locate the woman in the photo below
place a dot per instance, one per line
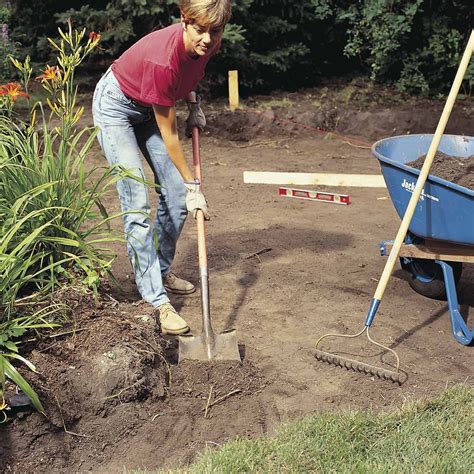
(134, 110)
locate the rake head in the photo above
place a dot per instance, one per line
(359, 366)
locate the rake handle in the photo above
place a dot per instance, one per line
(421, 180)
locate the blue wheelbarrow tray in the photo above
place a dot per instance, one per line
(445, 210)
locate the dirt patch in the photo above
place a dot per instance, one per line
(357, 109)
(109, 378)
(456, 169)
(115, 384)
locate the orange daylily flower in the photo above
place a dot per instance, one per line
(13, 90)
(50, 73)
(94, 36)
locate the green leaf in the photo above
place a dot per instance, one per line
(2, 375)
(16, 378)
(11, 346)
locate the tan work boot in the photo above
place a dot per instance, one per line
(176, 285)
(170, 321)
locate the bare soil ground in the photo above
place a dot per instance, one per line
(282, 273)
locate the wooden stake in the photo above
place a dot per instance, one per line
(233, 90)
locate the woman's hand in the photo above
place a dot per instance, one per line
(195, 199)
(196, 116)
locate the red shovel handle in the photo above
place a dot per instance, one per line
(197, 155)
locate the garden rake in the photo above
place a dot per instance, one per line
(351, 364)
(208, 345)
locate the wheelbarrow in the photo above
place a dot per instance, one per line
(441, 233)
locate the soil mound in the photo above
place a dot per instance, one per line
(107, 387)
(456, 169)
(357, 109)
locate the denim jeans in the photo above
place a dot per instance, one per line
(125, 129)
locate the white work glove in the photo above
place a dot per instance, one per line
(195, 199)
(196, 116)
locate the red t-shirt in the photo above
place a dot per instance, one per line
(157, 69)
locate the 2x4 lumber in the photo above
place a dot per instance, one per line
(309, 179)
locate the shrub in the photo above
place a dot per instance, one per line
(6, 44)
(52, 222)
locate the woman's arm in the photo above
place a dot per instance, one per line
(166, 120)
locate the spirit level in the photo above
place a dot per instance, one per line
(315, 196)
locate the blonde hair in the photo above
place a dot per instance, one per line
(206, 12)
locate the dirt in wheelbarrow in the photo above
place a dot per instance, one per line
(283, 272)
(456, 169)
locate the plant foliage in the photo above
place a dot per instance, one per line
(52, 222)
(7, 46)
(283, 44)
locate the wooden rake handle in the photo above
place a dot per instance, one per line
(425, 169)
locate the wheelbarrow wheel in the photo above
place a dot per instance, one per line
(426, 276)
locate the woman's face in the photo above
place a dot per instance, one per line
(199, 40)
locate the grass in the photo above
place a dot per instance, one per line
(425, 436)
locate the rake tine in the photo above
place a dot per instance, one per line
(359, 366)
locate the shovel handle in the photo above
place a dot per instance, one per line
(201, 230)
(196, 154)
(208, 331)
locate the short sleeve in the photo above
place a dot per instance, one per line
(158, 84)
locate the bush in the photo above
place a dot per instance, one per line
(52, 222)
(417, 45)
(6, 45)
(280, 44)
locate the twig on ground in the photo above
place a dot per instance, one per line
(65, 333)
(256, 254)
(221, 399)
(114, 301)
(121, 391)
(250, 144)
(148, 343)
(64, 423)
(212, 442)
(51, 336)
(208, 402)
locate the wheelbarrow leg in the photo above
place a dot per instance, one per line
(459, 327)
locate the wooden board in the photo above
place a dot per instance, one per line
(322, 179)
(436, 250)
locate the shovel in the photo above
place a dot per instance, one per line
(208, 345)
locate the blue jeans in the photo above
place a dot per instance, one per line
(125, 129)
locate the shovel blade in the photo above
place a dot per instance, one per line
(222, 346)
